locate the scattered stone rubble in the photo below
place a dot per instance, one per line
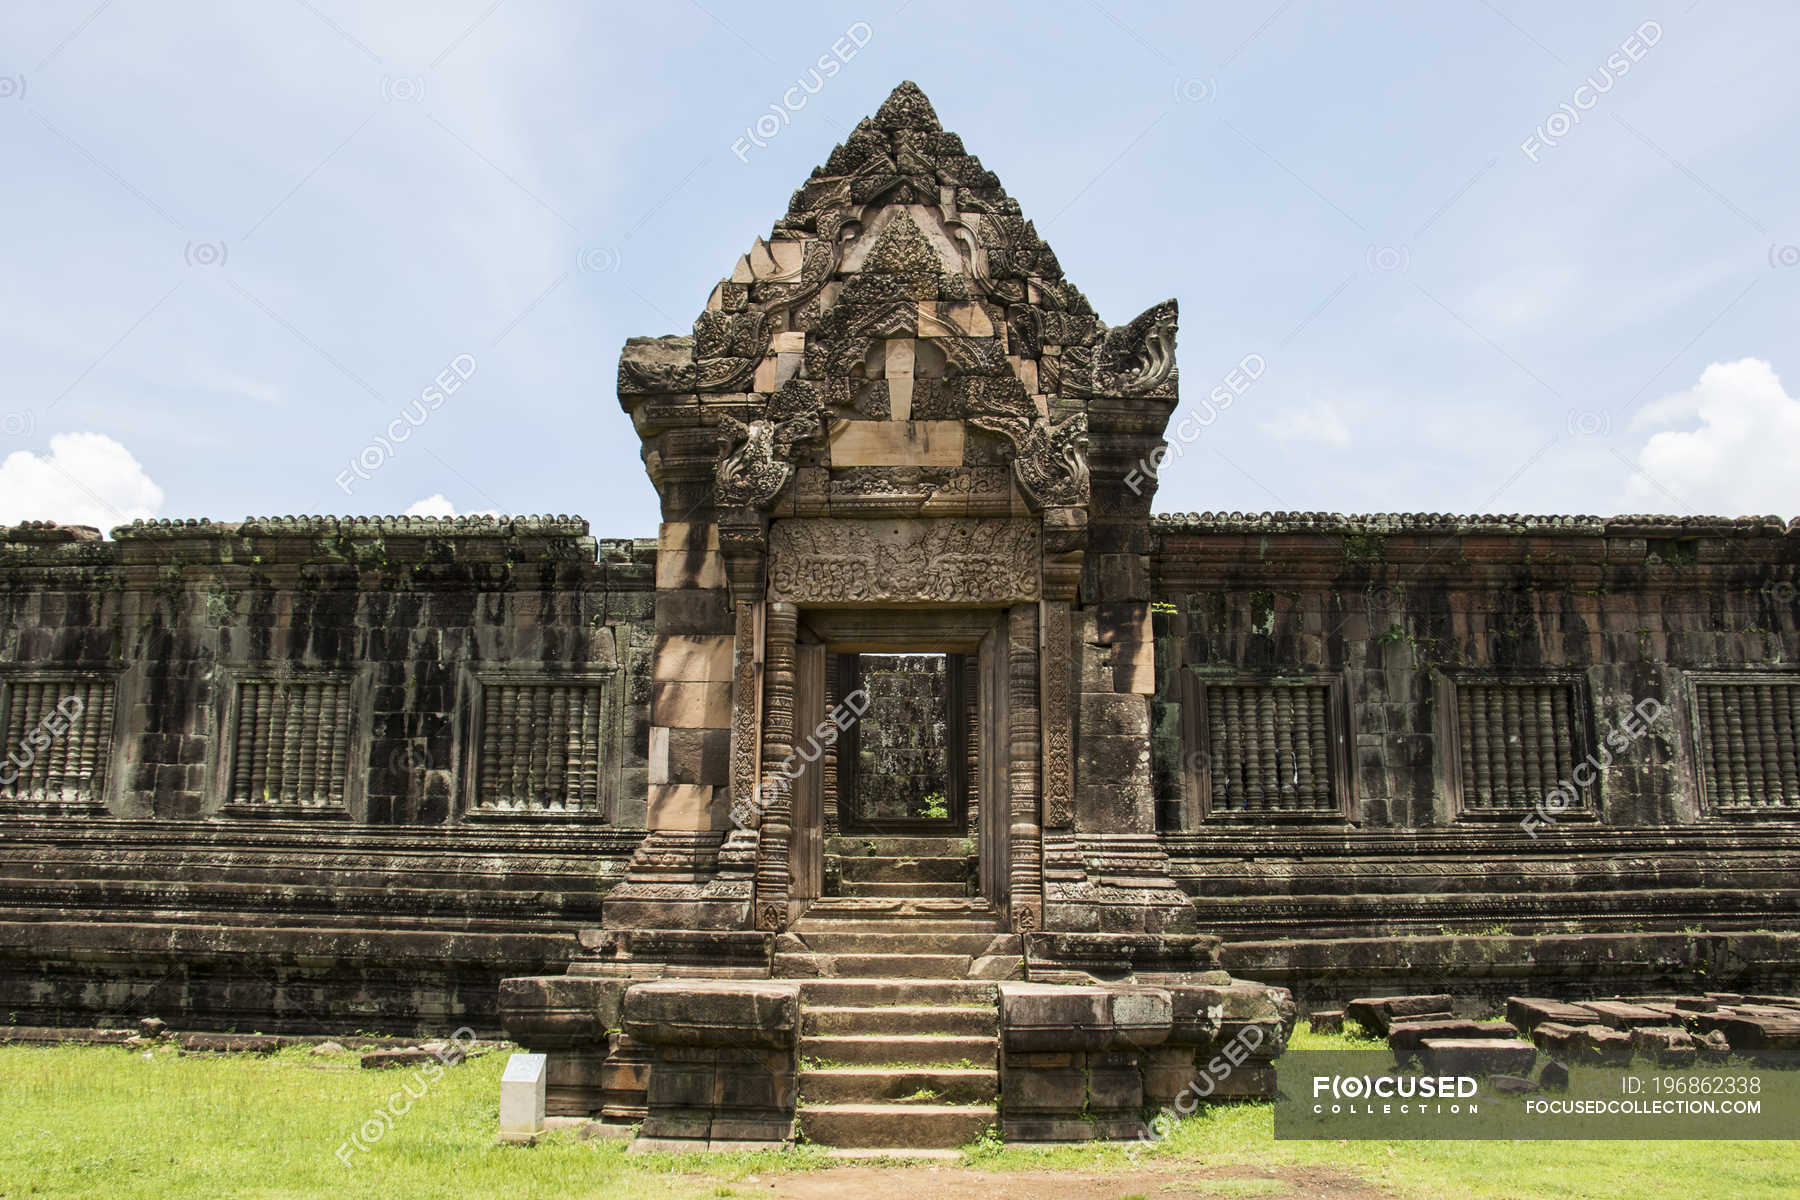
(1666, 1030)
(380, 1052)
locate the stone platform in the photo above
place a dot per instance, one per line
(880, 1038)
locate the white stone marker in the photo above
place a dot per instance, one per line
(522, 1098)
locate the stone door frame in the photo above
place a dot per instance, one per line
(1003, 639)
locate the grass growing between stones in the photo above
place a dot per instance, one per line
(107, 1122)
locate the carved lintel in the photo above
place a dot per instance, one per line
(941, 560)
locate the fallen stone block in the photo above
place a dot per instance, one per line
(1329, 1020)
(1618, 1014)
(1669, 1045)
(1584, 1043)
(1750, 1032)
(327, 1048)
(1683, 1003)
(227, 1043)
(1477, 1056)
(1779, 1001)
(1376, 1013)
(56, 1035)
(1713, 1046)
(1527, 1012)
(1404, 1037)
(1554, 1077)
(1557, 1038)
(1512, 1085)
(411, 1056)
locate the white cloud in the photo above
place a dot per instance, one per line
(433, 505)
(86, 479)
(1314, 422)
(1739, 459)
(437, 505)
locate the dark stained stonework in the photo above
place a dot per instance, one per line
(329, 774)
(400, 907)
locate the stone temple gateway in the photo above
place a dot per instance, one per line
(912, 739)
(894, 430)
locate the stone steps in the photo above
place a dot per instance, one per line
(883, 846)
(877, 993)
(899, 1051)
(914, 1056)
(878, 966)
(883, 948)
(974, 911)
(875, 1126)
(879, 1085)
(898, 1020)
(905, 870)
(878, 922)
(858, 887)
(883, 941)
(912, 867)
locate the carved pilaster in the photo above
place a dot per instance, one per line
(834, 691)
(1025, 870)
(1057, 666)
(746, 708)
(772, 873)
(970, 666)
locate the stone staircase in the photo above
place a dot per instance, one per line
(898, 1044)
(879, 865)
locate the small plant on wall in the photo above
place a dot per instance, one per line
(935, 807)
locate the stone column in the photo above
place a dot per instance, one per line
(1026, 869)
(776, 799)
(687, 873)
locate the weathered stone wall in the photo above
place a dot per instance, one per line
(161, 869)
(1444, 802)
(433, 733)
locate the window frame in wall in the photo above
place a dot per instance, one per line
(101, 795)
(1698, 740)
(1449, 700)
(354, 803)
(475, 684)
(1197, 751)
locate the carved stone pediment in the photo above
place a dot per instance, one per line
(933, 561)
(904, 295)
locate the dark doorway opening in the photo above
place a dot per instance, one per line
(904, 766)
(902, 800)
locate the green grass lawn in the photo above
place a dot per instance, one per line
(116, 1123)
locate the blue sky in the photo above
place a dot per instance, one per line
(240, 240)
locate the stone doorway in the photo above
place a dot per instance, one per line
(896, 809)
(899, 806)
